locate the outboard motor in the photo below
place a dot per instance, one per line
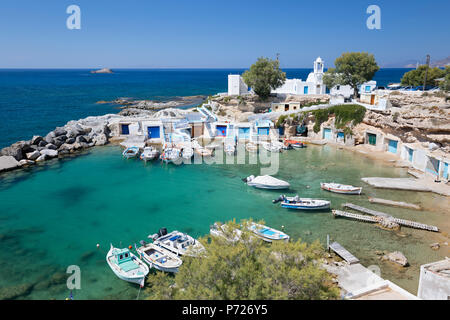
(153, 236)
(279, 199)
(162, 232)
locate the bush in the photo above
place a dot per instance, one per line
(349, 114)
(248, 269)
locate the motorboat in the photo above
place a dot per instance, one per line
(266, 182)
(178, 242)
(302, 203)
(158, 257)
(149, 154)
(130, 152)
(340, 188)
(126, 265)
(268, 234)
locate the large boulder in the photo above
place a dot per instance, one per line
(49, 137)
(50, 153)
(396, 257)
(42, 143)
(41, 158)
(33, 155)
(36, 139)
(59, 132)
(16, 150)
(100, 140)
(8, 163)
(51, 146)
(81, 139)
(70, 140)
(25, 162)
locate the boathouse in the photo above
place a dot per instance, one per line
(285, 106)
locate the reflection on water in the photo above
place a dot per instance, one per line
(51, 219)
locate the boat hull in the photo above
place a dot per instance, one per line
(261, 186)
(303, 207)
(355, 190)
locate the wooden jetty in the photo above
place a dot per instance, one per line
(365, 210)
(395, 203)
(377, 219)
(343, 253)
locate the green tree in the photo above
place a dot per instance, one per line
(445, 85)
(353, 69)
(248, 269)
(264, 75)
(417, 77)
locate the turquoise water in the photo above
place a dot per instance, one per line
(36, 101)
(53, 215)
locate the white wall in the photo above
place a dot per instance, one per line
(236, 85)
(433, 286)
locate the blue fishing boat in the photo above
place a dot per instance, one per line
(302, 203)
(131, 152)
(268, 234)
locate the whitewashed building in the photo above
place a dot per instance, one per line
(236, 85)
(312, 85)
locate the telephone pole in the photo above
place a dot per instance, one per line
(426, 72)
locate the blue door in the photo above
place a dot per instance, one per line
(410, 154)
(153, 132)
(305, 90)
(244, 133)
(263, 131)
(445, 175)
(327, 133)
(341, 135)
(392, 146)
(125, 129)
(221, 131)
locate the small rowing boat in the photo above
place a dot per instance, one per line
(131, 152)
(340, 188)
(268, 234)
(272, 147)
(126, 265)
(158, 257)
(251, 147)
(170, 155)
(266, 182)
(149, 154)
(302, 203)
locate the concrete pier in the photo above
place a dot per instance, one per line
(395, 203)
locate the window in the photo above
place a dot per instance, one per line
(120, 257)
(305, 90)
(126, 255)
(338, 87)
(367, 88)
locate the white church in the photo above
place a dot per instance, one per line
(312, 85)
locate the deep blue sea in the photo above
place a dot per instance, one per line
(36, 101)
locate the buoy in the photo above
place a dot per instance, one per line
(130, 247)
(98, 245)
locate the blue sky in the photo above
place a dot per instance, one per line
(216, 33)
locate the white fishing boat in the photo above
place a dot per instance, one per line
(268, 234)
(302, 203)
(340, 188)
(149, 154)
(221, 230)
(170, 155)
(187, 153)
(266, 182)
(126, 265)
(158, 257)
(251, 147)
(272, 147)
(178, 242)
(131, 152)
(229, 149)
